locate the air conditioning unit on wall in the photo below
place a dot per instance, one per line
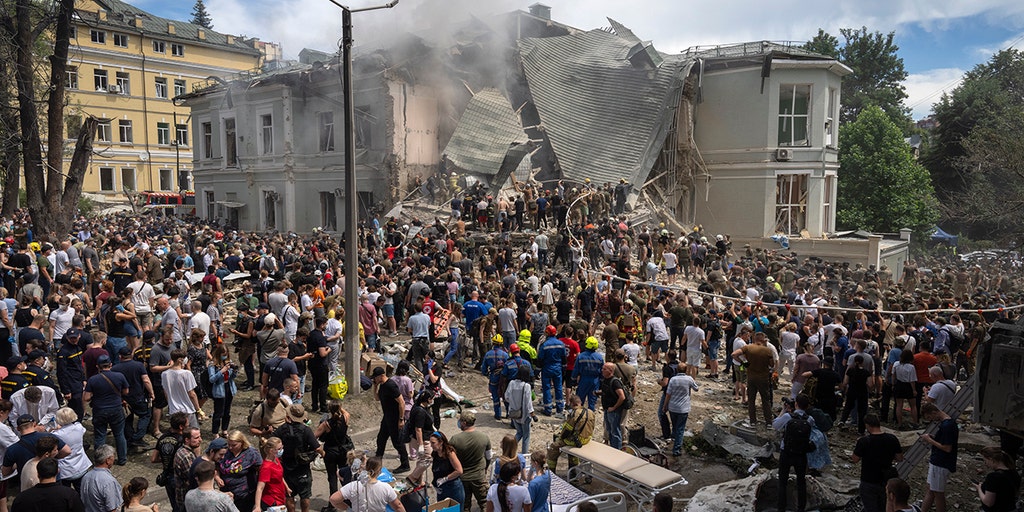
(783, 154)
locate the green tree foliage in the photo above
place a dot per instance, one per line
(824, 44)
(200, 16)
(976, 157)
(881, 187)
(878, 72)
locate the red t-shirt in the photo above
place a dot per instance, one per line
(272, 475)
(574, 350)
(922, 362)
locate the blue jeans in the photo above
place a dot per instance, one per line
(371, 342)
(586, 393)
(495, 399)
(453, 346)
(613, 426)
(112, 417)
(142, 412)
(523, 432)
(678, 428)
(453, 490)
(549, 380)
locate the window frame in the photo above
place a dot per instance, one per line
(183, 87)
(134, 180)
(177, 50)
(71, 78)
(792, 117)
(124, 40)
(230, 141)
(266, 133)
(123, 80)
(328, 211)
(160, 87)
(124, 131)
(98, 36)
(326, 132)
(104, 131)
(163, 134)
(206, 129)
(179, 130)
(159, 46)
(170, 179)
(101, 80)
(786, 183)
(113, 179)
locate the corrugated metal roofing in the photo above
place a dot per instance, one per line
(605, 118)
(487, 131)
(123, 14)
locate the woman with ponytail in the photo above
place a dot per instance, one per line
(134, 493)
(507, 495)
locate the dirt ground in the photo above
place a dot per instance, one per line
(700, 465)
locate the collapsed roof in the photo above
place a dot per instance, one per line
(606, 101)
(486, 133)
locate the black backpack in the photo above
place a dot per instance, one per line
(796, 438)
(167, 446)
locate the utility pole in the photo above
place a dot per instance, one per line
(352, 348)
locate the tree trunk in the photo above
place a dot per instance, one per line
(10, 161)
(31, 144)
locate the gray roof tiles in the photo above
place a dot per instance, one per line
(487, 131)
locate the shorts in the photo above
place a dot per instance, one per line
(145, 318)
(300, 482)
(659, 346)
(160, 399)
(389, 310)
(937, 478)
(130, 331)
(567, 378)
(903, 390)
(713, 347)
(671, 271)
(739, 374)
(693, 356)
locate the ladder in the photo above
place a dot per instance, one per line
(963, 399)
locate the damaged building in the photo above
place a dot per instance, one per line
(741, 139)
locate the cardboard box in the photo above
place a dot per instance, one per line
(370, 362)
(445, 505)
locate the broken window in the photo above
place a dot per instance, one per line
(794, 108)
(269, 209)
(211, 205)
(328, 211)
(828, 219)
(364, 127)
(791, 203)
(230, 143)
(267, 129)
(326, 120)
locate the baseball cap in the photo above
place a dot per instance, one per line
(14, 361)
(217, 444)
(35, 354)
(263, 305)
(25, 419)
(102, 360)
(378, 371)
(125, 351)
(73, 333)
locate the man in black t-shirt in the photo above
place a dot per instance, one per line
(668, 371)
(393, 406)
(296, 437)
(316, 345)
(278, 372)
(876, 452)
(825, 389)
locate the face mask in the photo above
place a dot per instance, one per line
(223, 358)
(280, 452)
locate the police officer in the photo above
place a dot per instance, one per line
(37, 376)
(105, 392)
(493, 363)
(587, 372)
(552, 358)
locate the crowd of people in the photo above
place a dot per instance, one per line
(123, 324)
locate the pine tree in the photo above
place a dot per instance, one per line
(200, 16)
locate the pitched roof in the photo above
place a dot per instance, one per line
(606, 115)
(488, 130)
(122, 14)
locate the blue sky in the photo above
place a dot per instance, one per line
(939, 39)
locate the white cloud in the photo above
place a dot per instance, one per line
(925, 89)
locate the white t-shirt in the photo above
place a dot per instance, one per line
(670, 259)
(656, 326)
(517, 496)
(942, 393)
(142, 294)
(370, 497)
(632, 351)
(177, 384)
(737, 344)
(200, 321)
(789, 341)
(61, 321)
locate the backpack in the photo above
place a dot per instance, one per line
(303, 453)
(956, 340)
(822, 420)
(796, 438)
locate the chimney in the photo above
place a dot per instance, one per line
(170, 28)
(202, 35)
(231, 39)
(541, 11)
(138, 21)
(102, 14)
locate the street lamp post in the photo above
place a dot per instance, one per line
(352, 348)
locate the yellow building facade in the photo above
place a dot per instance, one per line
(125, 66)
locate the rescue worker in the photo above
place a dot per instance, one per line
(525, 348)
(552, 359)
(587, 373)
(493, 363)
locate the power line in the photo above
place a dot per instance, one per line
(950, 84)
